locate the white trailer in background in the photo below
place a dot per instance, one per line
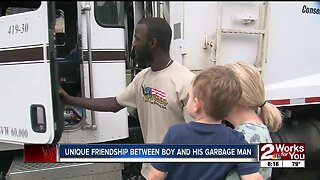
(85, 47)
(281, 39)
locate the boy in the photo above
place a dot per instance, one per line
(213, 94)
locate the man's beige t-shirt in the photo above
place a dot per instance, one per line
(161, 98)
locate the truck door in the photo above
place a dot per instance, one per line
(102, 46)
(29, 100)
(96, 29)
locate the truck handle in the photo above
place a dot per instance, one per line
(85, 9)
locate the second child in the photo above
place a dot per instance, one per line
(213, 94)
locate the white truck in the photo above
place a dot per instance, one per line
(85, 47)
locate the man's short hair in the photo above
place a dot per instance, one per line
(219, 90)
(160, 29)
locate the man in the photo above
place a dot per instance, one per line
(160, 92)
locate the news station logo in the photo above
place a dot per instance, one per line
(40, 153)
(282, 154)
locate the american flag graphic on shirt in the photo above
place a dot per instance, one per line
(154, 96)
(155, 92)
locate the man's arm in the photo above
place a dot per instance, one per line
(254, 176)
(109, 104)
(155, 174)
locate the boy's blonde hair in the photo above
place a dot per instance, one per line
(253, 94)
(219, 89)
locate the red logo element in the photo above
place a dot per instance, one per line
(40, 153)
(282, 151)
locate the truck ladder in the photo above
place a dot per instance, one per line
(262, 35)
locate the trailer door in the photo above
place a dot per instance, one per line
(30, 106)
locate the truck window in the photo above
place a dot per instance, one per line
(109, 13)
(16, 7)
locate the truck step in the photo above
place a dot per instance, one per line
(80, 171)
(242, 31)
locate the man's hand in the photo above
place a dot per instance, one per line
(66, 98)
(109, 104)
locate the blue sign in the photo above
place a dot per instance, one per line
(157, 153)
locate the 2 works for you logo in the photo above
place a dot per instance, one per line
(282, 151)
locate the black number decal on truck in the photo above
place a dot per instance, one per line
(18, 28)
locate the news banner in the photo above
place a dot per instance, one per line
(275, 155)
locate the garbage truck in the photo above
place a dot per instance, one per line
(85, 47)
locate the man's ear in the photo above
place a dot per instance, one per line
(153, 43)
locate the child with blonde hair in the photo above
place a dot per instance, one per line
(213, 93)
(253, 116)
